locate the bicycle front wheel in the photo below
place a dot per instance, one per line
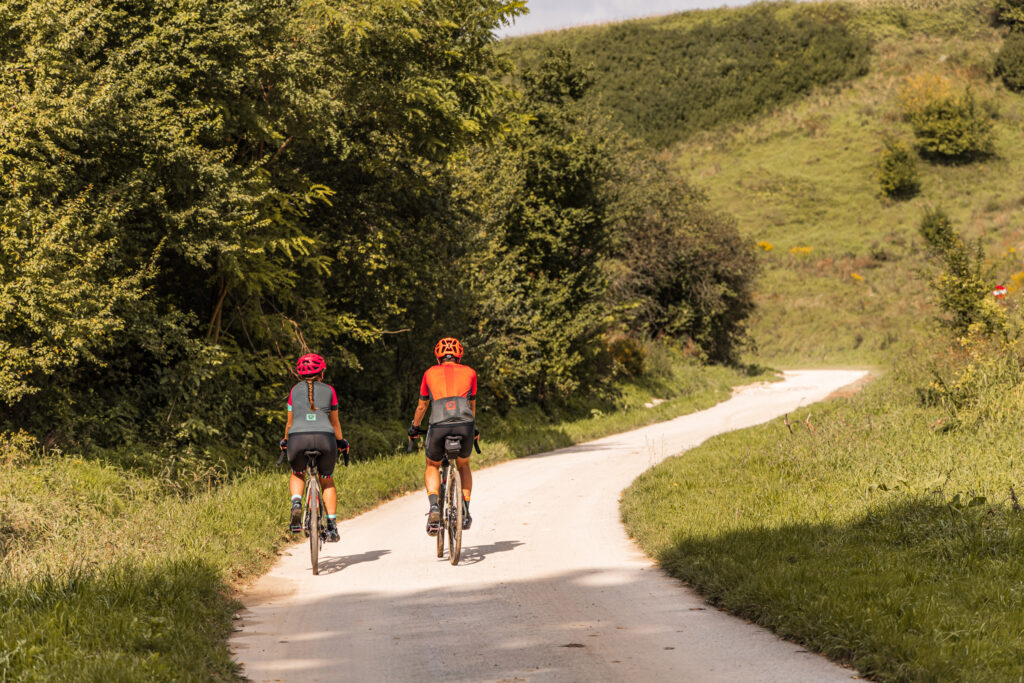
(454, 516)
(314, 526)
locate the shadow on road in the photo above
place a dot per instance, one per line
(606, 624)
(476, 553)
(331, 565)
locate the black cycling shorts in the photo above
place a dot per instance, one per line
(324, 442)
(436, 434)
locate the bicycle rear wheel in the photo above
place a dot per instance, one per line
(440, 501)
(314, 526)
(454, 516)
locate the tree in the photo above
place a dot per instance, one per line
(682, 270)
(194, 192)
(540, 276)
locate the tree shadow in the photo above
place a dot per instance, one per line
(565, 626)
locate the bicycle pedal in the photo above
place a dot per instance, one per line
(433, 529)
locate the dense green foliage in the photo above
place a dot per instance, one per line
(1010, 62)
(585, 235)
(1010, 13)
(188, 207)
(684, 270)
(897, 171)
(667, 77)
(192, 193)
(937, 231)
(541, 275)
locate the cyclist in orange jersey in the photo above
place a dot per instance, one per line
(449, 390)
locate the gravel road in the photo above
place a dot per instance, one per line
(549, 588)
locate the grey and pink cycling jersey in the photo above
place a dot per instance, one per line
(305, 418)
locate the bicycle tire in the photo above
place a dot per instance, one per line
(440, 502)
(314, 526)
(455, 516)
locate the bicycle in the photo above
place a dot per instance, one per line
(313, 509)
(449, 496)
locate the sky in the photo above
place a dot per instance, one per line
(550, 14)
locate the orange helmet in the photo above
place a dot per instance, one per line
(449, 346)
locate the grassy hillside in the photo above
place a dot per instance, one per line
(802, 179)
(666, 77)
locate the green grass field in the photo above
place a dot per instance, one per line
(122, 566)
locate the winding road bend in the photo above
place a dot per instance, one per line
(550, 588)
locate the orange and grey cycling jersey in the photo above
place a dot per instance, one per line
(449, 387)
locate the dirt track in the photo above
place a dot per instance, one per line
(549, 587)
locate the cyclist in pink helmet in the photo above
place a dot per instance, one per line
(316, 428)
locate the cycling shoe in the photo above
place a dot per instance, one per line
(433, 520)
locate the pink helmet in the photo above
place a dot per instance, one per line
(310, 364)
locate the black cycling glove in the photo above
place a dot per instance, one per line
(284, 444)
(414, 431)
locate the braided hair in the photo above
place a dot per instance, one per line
(309, 386)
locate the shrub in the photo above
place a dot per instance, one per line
(684, 271)
(921, 89)
(16, 447)
(937, 230)
(1010, 62)
(961, 285)
(627, 355)
(951, 127)
(1010, 13)
(897, 171)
